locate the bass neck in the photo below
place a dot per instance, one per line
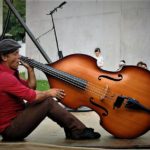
(50, 71)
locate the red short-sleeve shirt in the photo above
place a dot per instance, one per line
(13, 92)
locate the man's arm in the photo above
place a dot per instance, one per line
(42, 95)
(31, 76)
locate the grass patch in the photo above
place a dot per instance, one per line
(42, 85)
(22, 74)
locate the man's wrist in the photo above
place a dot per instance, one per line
(30, 69)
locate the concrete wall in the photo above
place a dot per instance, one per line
(121, 28)
(1, 10)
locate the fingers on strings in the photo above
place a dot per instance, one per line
(60, 94)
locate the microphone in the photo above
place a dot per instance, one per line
(63, 3)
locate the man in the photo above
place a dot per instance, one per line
(18, 120)
(99, 57)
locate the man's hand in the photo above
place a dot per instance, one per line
(27, 66)
(58, 93)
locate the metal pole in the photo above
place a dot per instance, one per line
(27, 30)
(59, 52)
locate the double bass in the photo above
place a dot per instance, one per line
(121, 98)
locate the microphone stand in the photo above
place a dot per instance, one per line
(60, 54)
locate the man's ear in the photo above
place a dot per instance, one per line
(4, 57)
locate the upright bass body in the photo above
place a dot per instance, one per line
(121, 99)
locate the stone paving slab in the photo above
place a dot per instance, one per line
(50, 133)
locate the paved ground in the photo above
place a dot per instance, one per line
(50, 135)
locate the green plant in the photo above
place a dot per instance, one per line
(15, 28)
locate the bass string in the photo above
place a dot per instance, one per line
(93, 88)
(52, 72)
(105, 92)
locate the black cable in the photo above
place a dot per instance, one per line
(43, 34)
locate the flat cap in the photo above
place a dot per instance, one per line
(7, 45)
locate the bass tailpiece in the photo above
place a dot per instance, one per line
(130, 103)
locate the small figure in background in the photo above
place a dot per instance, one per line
(99, 57)
(142, 65)
(122, 63)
